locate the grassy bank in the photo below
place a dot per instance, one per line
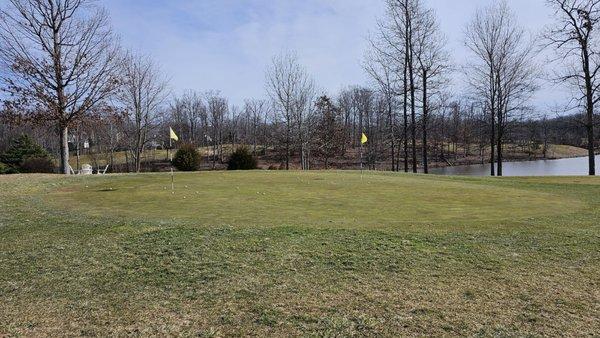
(289, 253)
(454, 156)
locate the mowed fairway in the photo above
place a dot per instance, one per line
(291, 253)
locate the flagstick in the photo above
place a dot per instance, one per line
(361, 160)
(172, 175)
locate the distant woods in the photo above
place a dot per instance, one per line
(67, 82)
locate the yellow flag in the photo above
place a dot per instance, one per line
(364, 139)
(173, 135)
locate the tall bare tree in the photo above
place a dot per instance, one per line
(256, 112)
(194, 112)
(291, 90)
(502, 70)
(329, 134)
(142, 96)
(378, 66)
(398, 43)
(60, 59)
(218, 108)
(433, 62)
(574, 36)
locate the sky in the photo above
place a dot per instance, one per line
(227, 45)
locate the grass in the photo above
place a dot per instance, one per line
(565, 151)
(290, 253)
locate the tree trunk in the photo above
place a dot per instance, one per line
(591, 150)
(413, 127)
(405, 83)
(493, 122)
(138, 150)
(492, 144)
(287, 148)
(192, 132)
(214, 152)
(405, 132)
(589, 113)
(64, 150)
(425, 112)
(501, 118)
(545, 151)
(392, 132)
(302, 148)
(413, 120)
(499, 145)
(254, 141)
(138, 160)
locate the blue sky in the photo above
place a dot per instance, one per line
(227, 44)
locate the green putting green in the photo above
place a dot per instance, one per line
(299, 254)
(325, 199)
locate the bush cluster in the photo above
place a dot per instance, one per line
(3, 168)
(26, 156)
(38, 165)
(187, 158)
(242, 159)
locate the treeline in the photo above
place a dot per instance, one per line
(68, 84)
(458, 133)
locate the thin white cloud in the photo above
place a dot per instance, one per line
(227, 44)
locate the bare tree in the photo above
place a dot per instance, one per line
(433, 62)
(218, 108)
(143, 93)
(194, 113)
(354, 103)
(189, 114)
(483, 35)
(256, 112)
(344, 103)
(291, 91)
(516, 75)
(502, 71)
(574, 36)
(398, 43)
(378, 67)
(232, 124)
(409, 8)
(178, 119)
(329, 129)
(60, 58)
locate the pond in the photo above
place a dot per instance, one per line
(563, 167)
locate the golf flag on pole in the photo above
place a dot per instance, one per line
(364, 139)
(173, 135)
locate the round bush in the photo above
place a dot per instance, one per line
(241, 159)
(187, 158)
(3, 168)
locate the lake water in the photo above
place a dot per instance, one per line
(563, 167)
